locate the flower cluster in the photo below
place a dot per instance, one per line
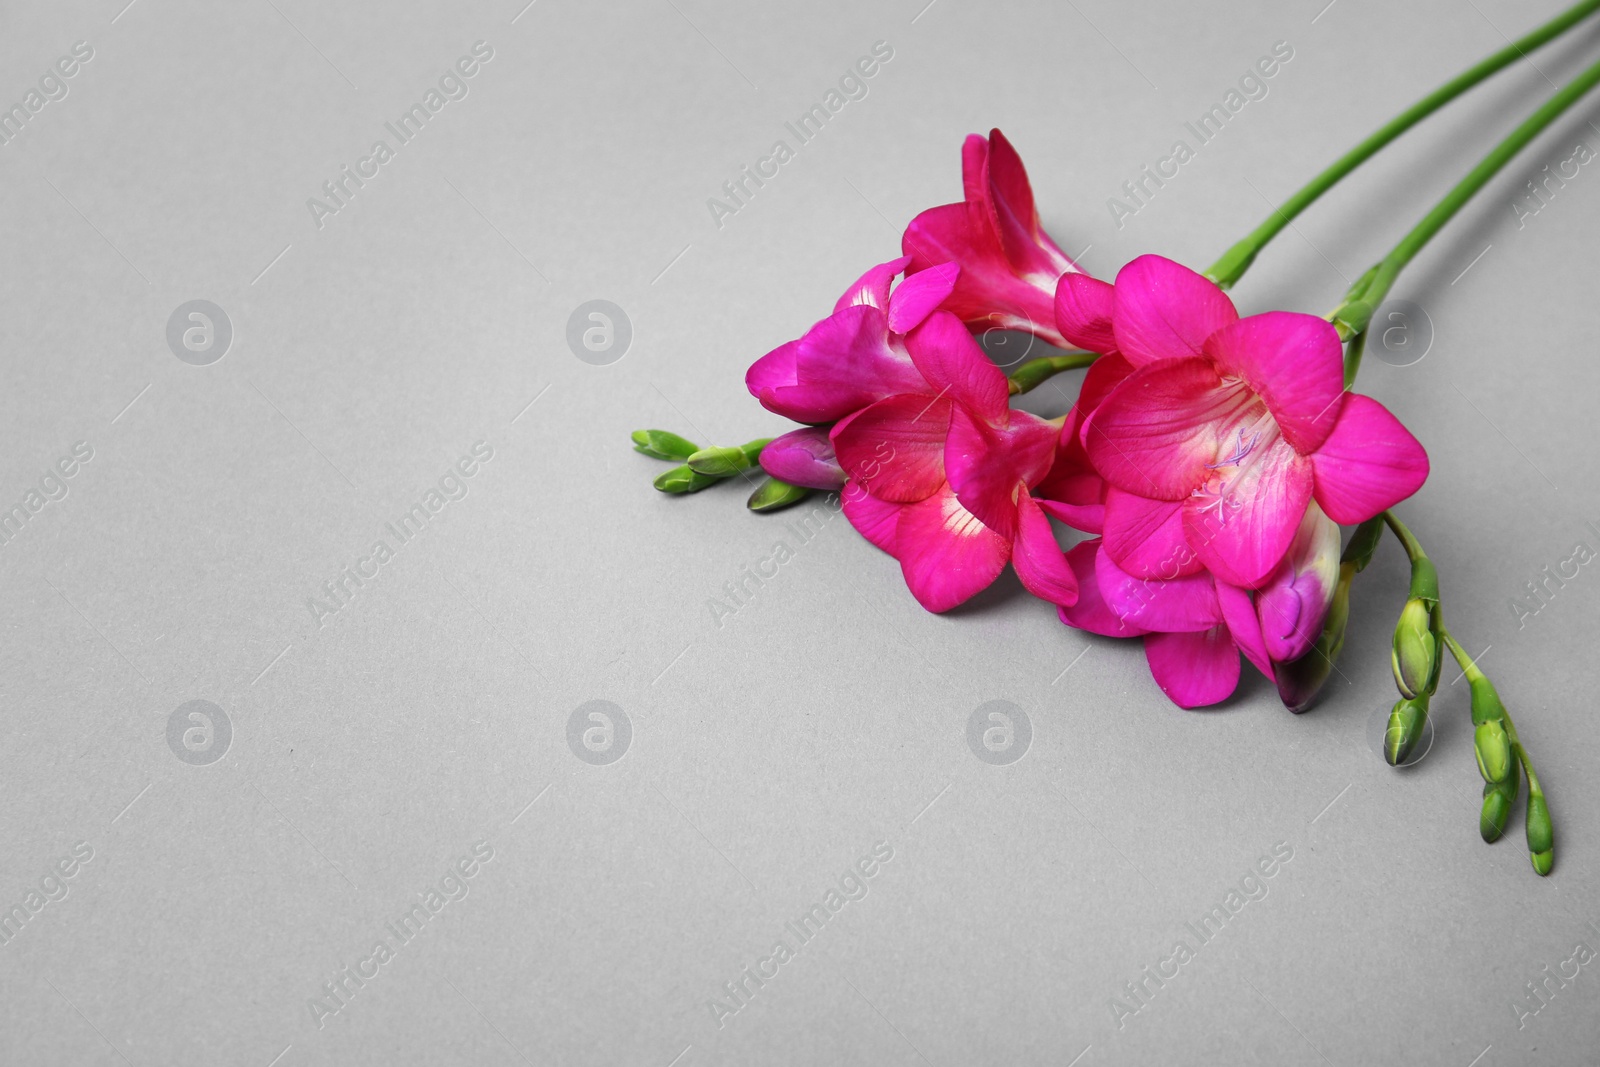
(1211, 458)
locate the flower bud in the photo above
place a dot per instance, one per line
(1497, 801)
(719, 461)
(663, 444)
(1405, 729)
(1493, 749)
(772, 494)
(1301, 680)
(1541, 833)
(1415, 651)
(722, 461)
(684, 480)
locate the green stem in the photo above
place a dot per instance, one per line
(1464, 661)
(1036, 372)
(1412, 545)
(1231, 267)
(1353, 315)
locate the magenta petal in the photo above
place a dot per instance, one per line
(989, 467)
(1194, 669)
(1039, 561)
(946, 554)
(1239, 612)
(872, 288)
(852, 349)
(1182, 605)
(1156, 433)
(772, 371)
(954, 365)
(1083, 312)
(1146, 537)
(1087, 517)
(1243, 520)
(1090, 612)
(895, 448)
(1295, 362)
(874, 519)
(1369, 463)
(1164, 310)
(917, 296)
(803, 457)
(1028, 248)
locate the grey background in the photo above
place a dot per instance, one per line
(828, 715)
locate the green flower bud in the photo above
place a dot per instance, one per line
(720, 460)
(684, 480)
(1405, 729)
(663, 444)
(725, 460)
(1541, 833)
(1498, 799)
(772, 495)
(1542, 862)
(1486, 705)
(1493, 749)
(1415, 651)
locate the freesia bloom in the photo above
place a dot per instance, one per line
(1009, 265)
(1226, 429)
(857, 355)
(939, 479)
(1195, 626)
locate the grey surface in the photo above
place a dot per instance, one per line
(767, 755)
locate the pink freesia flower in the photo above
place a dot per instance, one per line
(939, 479)
(856, 355)
(1009, 265)
(1195, 627)
(1227, 428)
(804, 457)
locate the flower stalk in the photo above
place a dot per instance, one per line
(1227, 270)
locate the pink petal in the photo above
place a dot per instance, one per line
(803, 457)
(1243, 520)
(954, 365)
(1156, 433)
(1295, 362)
(1091, 612)
(774, 370)
(1369, 463)
(1028, 248)
(1039, 561)
(1083, 312)
(1239, 612)
(1182, 605)
(1166, 311)
(975, 168)
(1146, 537)
(1194, 669)
(946, 554)
(872, 288)
(916, 297)
(895, 448)
(988, 467)
(989, 294)
(874, 519)
(852, 349)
